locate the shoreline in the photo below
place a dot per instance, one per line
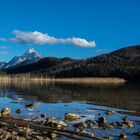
(73, 126)
(77, 80)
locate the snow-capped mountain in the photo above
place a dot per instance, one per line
(30, 56)
(2, 64)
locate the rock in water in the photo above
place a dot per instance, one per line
(138, 133)
(5, 112)
(123, 137)
(126, 124)
(42, 115)
(130, 124)
(71, 117)
(30, 106)
(109, 112)
(107, 125)
(18, 111)
(80, 126)
(101, 121)
(52, 136)
(55, 123)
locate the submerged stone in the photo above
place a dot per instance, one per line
(130, 125)
(5, 112)
(107, 125)
(55, 123)
(125, 118)
(125, 124)
(71, 117)
(114, 124)
(88, 122)
(94, 124)
(81, 126)
(109, 112)
(43, 115)
(101, 121)
(123, 137)
(83, 116)
(30, 106)
(18, 111)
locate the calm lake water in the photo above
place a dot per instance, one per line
(56, 99)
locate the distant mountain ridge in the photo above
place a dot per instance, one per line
(30, 56)
(123, 63)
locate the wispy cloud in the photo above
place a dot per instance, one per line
(4, 50)
(38, 38)
(4, 53)
(4, 47)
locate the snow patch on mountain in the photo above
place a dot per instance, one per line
(30, 56)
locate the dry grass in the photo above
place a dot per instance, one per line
(93, 80)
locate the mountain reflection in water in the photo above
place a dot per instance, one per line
(117, 96)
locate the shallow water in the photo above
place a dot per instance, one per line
(56, 99)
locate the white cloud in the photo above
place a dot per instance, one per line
(38, 38)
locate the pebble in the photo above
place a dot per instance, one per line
(125, 118)
(30, 106)
(123, 137)
(81, 126)
(109, 112)
(113, 124)
(42, 115)
(18, 111)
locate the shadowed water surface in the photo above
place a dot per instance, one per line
(55, 99)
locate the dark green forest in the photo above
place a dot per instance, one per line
(123, 63)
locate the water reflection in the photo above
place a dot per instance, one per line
(118, 96)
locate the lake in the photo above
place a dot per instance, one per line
(90, 100)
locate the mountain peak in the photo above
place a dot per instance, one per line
(31, 50)
(30, 56)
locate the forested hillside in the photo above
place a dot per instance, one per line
(124, 63)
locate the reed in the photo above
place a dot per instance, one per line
(39, 79)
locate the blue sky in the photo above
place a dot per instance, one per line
(112, 24)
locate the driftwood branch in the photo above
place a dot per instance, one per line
(11, 122)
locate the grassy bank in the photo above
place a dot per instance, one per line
(92, 80)
(86, 80)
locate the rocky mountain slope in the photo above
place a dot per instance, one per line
(30, 56)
